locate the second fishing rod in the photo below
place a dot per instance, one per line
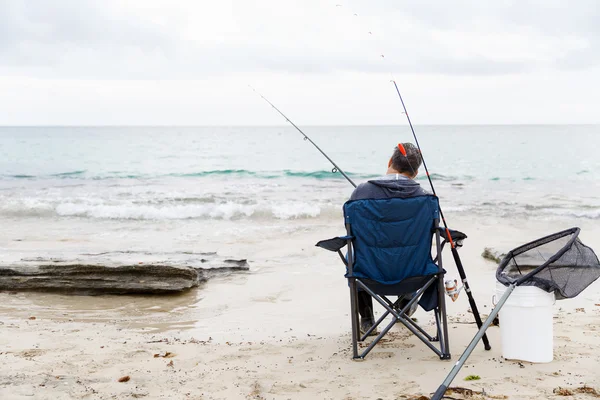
(454, 250)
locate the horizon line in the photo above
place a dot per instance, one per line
(279, 125)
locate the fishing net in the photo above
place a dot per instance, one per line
(558, 263)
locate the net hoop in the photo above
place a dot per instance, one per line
(541, 241)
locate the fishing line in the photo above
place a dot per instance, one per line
(335, 166)
(452, 244)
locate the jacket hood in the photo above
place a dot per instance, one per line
(400, 185)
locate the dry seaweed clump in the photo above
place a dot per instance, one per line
(559, 391)
(562, 391)
(460, 393)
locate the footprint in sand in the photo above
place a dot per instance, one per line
(30, 353)
(382, 354)
(396, 345)
(565, 338)
(137, 354)
(268, 299)
(281, 388)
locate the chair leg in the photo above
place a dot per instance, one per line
(444, 345)
(354, 317)
(443, 329)
(438, 325)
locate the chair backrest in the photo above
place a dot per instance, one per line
(392, 237)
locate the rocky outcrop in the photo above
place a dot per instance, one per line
(112, 273)
(89, 278)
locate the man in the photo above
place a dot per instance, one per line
(398, 182)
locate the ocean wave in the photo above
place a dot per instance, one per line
(69, 174)
(21, 176)
(248, 208)
(328, 174)
(238, 173)
(445, 178)
(85, 175)
(542, 210)
(284, 210)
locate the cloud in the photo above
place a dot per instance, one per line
(58, 38)
(523, 35)
(156, 39)
(189, 62)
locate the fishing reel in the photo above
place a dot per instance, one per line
(452, 289)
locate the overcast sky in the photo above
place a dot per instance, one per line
(189, 62)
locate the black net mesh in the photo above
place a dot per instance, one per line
(558, 263)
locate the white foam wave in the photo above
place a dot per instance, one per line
(27, 206)
(152, 212)
(129, 210)
(295, 210)
(573, 213)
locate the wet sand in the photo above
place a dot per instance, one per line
(280, 331)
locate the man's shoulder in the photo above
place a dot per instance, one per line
(365, 190)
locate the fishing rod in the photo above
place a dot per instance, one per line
(335, 167)
(458, 262)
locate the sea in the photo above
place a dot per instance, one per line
(72, 190)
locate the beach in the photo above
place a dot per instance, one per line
(280, 330)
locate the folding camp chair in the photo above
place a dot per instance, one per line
(389, 254)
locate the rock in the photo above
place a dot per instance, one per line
(118, 272)
(229, 267)
(98, 278)
(492, 255)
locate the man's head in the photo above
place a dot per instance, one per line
(407, 165)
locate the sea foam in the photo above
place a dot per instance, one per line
(128, 210)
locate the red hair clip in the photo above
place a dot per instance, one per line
(402, 149)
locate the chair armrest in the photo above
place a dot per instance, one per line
(334, 244)
(457, 236)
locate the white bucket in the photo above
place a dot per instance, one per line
(526, 324)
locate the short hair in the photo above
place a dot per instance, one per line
(409, 163)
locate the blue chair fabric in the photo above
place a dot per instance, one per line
(392, 238)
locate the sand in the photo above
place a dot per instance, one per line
(280, 331)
